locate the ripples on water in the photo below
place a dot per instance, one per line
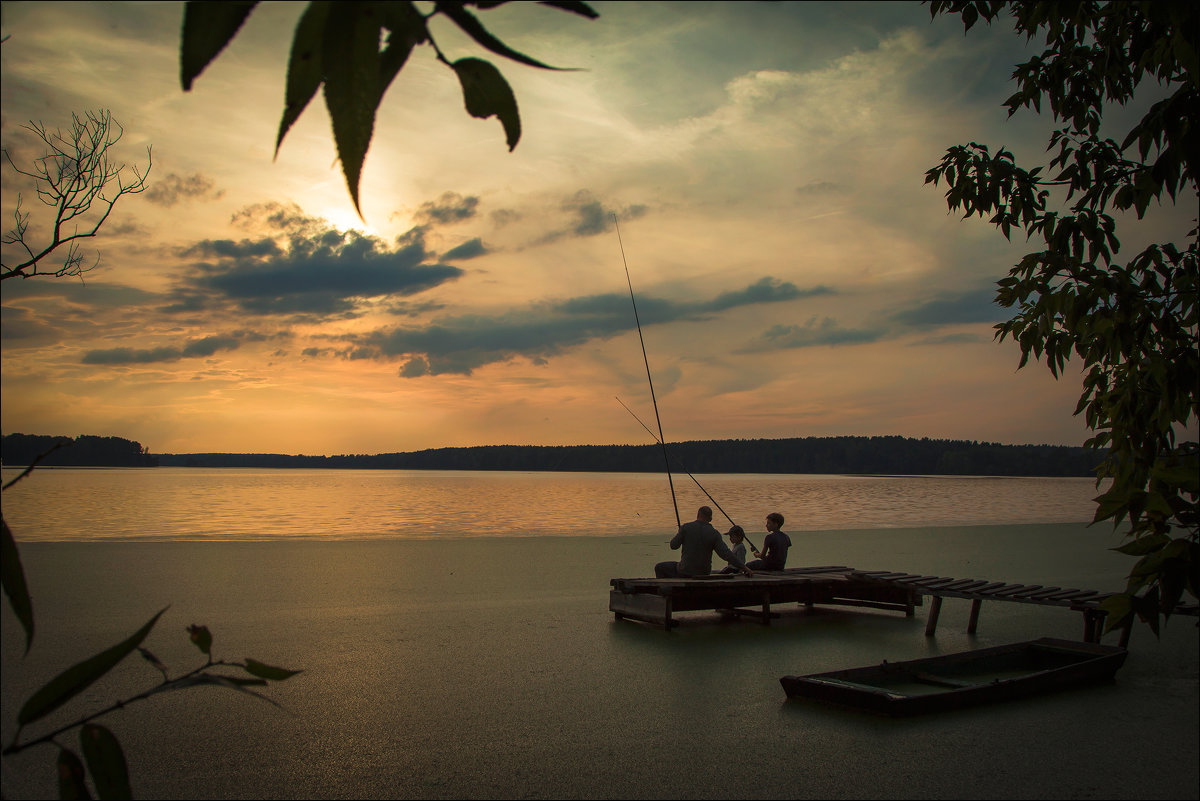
(251, 504)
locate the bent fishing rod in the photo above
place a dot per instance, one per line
(661, 439)
(693, 478)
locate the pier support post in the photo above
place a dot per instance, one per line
(935, 609)
(1093, 624)
(973, 623)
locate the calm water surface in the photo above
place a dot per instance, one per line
(244, 504)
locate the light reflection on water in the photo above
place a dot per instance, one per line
(253, 504)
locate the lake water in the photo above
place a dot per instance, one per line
(454, 633)
(231, 504)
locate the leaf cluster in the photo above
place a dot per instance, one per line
(1132, 323)
(355, 50)
(103, 758)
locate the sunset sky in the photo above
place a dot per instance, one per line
(793, 274)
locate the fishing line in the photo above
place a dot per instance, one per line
(693, 478)
(661, 439)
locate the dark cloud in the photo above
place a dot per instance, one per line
(276, 217)
(765, 290)
(818, 188)
(817, 331)
(972, 306)
(450, 208)
(467, 250)
(590, 216)
(464, 343)
(322, 271)
(210, 345)
(132, 356)
(172, 188)
(89, 293)
(197, 348)
(227, 248)
(502, 217)
(20, 329)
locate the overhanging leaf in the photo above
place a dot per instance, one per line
(201, 637)
(486, 93)
(1143, 545)
(304, 74)
(1119, 608)
(220, 681)
(352, 67)
(474, 28)
(70, 776)
(12, 576)
(105, 761)
(406, 29)
(207, 28)
(582, 9)
(77, 678)
(264, 671)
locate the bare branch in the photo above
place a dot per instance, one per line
(78, 178)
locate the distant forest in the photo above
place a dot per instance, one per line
(82, 451)
(863, 455)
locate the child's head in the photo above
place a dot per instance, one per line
(776, 519)
(736, 534)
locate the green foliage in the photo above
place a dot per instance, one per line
(356, 49)
(12, 574)
(1133, 324)
(76, 679)
(103, 756)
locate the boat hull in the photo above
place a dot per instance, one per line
(954, 681)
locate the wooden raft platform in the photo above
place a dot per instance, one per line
(980, 590)
(654, 600)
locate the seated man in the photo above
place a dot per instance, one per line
(698, 539)
(773, 556)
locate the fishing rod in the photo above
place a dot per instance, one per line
(693, 478)
(661, 439)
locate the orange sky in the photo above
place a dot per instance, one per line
(794, 276)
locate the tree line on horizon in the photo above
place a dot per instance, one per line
(891, 455)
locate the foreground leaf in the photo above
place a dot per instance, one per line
(202, 637)
(12, 576)
(207, 28)
(105, 761)
(304, 73)
(77, 678)
(263, 671)
(70, 776)
(487, 93)
(351, 65)
(219, 681)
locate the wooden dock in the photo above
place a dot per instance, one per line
(979, 590)
(658, 600)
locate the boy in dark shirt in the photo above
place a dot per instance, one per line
(773, 556)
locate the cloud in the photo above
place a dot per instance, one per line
(197, 348)
(589, 216)
(275, 217)
(173, 188)
(972, 306)
(320, 271)
(817, 331)
(467, 250)
(450, 208)
(765, 290)
(463, 343)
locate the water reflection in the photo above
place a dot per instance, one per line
(251, 504)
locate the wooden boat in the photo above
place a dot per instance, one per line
(951, 681)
